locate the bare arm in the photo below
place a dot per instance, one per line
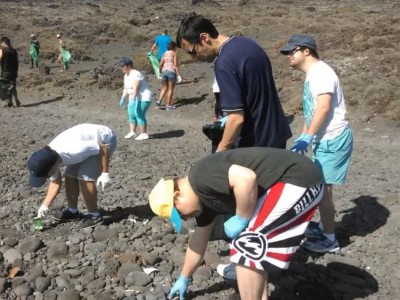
(124, 92)
(104, 157)
(176, 64)
(320, 114)
(197, 248)
(1, 54)
(243, 182)
(232, 129)
(52, 192)
(161, 64)
(304, 128)
(153, 47)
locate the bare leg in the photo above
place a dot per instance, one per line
(252, 283)
(72, 191)
(164, 89)
(60, 61)
(327, 210)
(133, 126)
(89, 193)
(143, 129)
(171, 86)
(265, 293)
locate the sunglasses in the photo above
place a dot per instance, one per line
(193, 50)
(294, 51)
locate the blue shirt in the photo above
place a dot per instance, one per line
(162, 41)
(245, 79)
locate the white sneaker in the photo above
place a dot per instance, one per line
(142, 136)
(130, 135)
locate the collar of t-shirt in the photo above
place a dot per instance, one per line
(224, 43)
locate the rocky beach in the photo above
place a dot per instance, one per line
(135, 255)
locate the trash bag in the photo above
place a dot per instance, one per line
(34, 54)
(5, 89)
(66, 57)
(214, 132)
(155, 64)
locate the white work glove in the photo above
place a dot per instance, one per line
(42, 211)
(104, 179)
(179, 79)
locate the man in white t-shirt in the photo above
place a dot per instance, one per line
(85, 150)
(326, 128)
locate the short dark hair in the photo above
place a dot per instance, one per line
(192, 26)
(6, 41)
(313, 53)
(171, 46)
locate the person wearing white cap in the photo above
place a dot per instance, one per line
(272, 194)
(34, 51)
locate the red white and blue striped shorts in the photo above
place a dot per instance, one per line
(275, 231)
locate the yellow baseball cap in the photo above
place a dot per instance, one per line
(161, 200)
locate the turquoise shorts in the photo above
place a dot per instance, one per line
(333, 157)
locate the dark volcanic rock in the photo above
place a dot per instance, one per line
(30, 244)
(57, 250)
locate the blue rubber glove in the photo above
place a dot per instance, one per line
(223, 121)
(302, 143)
(122, 102)
(235, 225)
(180, 287)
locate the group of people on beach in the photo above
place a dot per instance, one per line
(9, 60)
(136, 88)
(264, 194)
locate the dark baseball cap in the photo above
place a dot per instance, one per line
(124, 61)
(299, 40)
(40, 164)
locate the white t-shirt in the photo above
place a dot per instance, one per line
(143, 93)
(77, 143)
(215, 86)
(322, 79)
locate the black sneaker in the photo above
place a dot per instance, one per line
(66, 215)
(159, 104)
(91, 221)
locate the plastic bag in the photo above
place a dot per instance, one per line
(66, 57)
(214, 132)
(155, 64)
(34, 54)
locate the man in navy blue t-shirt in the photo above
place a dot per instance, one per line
(244, 75)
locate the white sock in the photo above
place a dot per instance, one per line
(73, 210)
(330, 236)
(94, 214)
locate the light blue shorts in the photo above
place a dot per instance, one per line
(333, 157)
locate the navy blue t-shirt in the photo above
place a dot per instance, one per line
(245, 79)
